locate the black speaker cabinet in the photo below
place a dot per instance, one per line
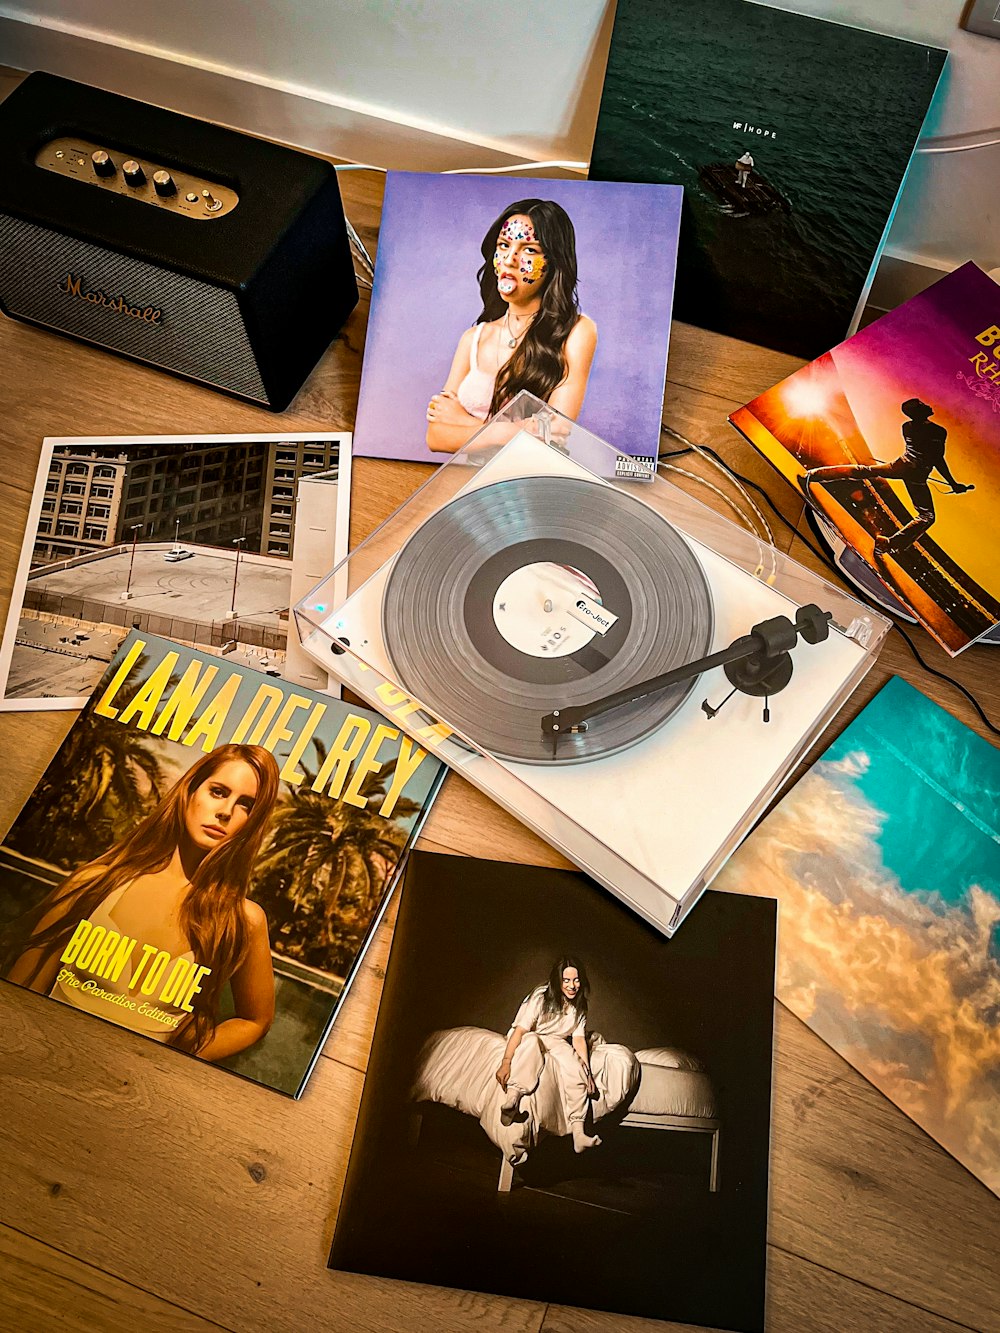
(188, 247)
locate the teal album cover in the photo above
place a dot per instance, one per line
(885, 860)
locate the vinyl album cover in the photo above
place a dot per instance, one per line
(487, 285)
(894, 439)
(564, 1106)
(205, 859)
(791, 137)
(191, 537)
(884, 860)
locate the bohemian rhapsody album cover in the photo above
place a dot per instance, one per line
(206, 858)
(893, 438)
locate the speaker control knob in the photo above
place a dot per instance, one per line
(163, 183)
(102, 163)
(133, 173)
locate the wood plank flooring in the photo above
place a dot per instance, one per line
(143, 1190)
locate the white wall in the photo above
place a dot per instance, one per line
(428, 82)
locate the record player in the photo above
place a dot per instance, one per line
(627, 672)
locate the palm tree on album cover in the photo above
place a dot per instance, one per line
(107, 778)
(324, 869)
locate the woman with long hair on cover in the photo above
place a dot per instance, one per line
(551, 1026)
(530, 333)
(178, 882)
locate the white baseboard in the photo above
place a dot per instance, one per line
(303, 118)
(314, 121)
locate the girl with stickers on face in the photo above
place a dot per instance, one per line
(530, 333)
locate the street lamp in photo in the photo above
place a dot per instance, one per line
(131, 561)
(238, 543)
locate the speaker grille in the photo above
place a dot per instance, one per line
(200, 334)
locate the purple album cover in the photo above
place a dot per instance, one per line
(486, 285)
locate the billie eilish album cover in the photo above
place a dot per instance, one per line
(206, 858)
(894, 439)
(884, 860)
(561, 1105)
(791, 136)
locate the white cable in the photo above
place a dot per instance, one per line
(959, 147)
(358, 246)
(693, 476)
(473, 171)
(727, 474)
(514, 166)
(929, 147)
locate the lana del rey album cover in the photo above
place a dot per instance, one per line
(791, 136)
(205, 859)
(894, 440)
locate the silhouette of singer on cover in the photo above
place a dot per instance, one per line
(924, 453)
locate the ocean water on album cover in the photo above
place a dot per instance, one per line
(829, 114)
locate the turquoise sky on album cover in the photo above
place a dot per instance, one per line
(885, 859)
(938, 787)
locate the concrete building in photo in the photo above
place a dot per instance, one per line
(205, 493)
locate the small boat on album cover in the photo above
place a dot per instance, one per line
(791, 136)
(561, 1104)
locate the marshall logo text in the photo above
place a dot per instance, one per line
(73, 286)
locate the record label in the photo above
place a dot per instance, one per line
(547, 610)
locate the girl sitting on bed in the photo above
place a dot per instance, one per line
(551, 1024)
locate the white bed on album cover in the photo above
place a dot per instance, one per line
(668, 1089)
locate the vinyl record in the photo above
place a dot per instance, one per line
(539, 593)
(865, 579)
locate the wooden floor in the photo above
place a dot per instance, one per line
(142, 1191)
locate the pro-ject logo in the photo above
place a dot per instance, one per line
(593, 614)
(73, 285)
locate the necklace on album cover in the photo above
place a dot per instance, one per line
(514, 338)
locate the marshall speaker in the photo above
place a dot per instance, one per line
(188, 247)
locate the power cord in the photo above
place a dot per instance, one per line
(475, 171)
(834, 569)
(932, 147)
(713, 458)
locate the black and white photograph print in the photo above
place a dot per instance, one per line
(563, 1105)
